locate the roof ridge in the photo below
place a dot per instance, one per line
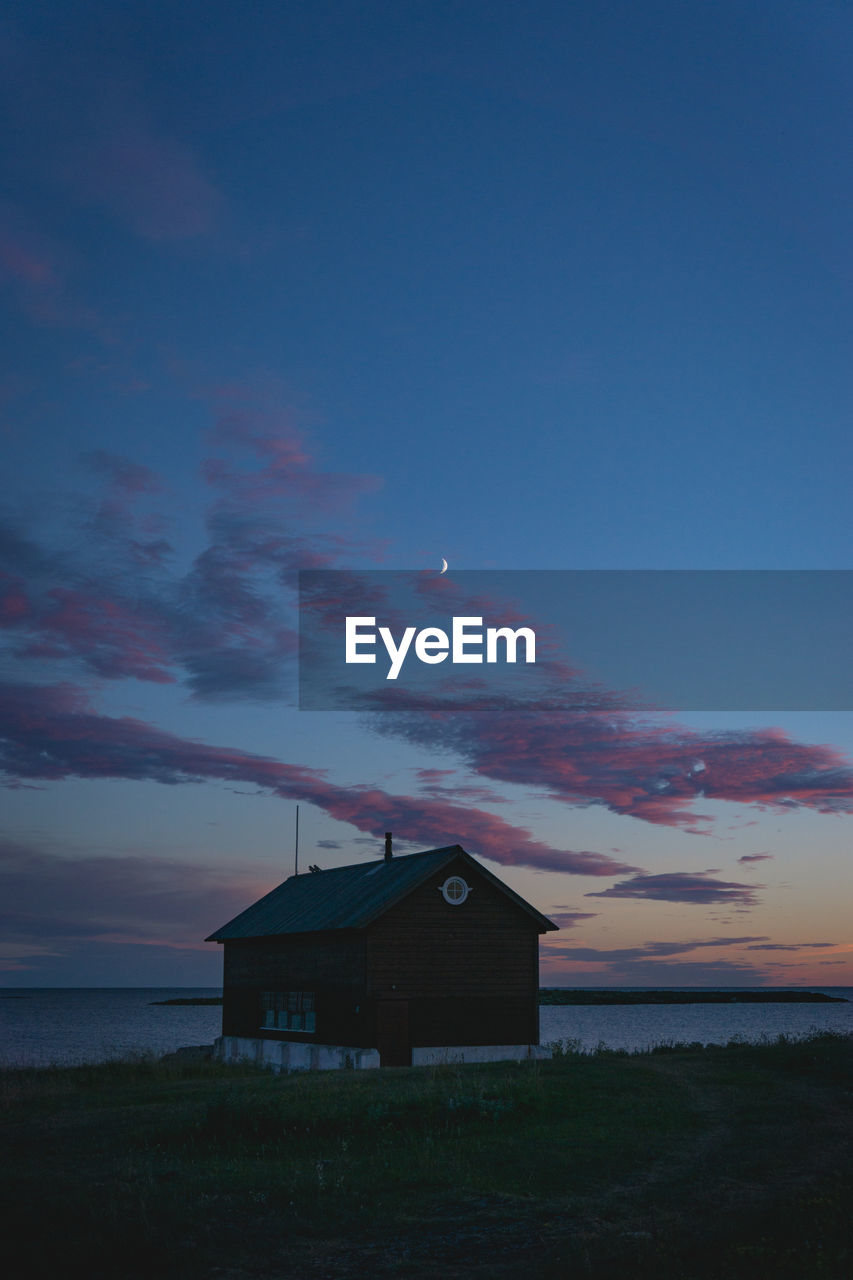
(398, 857)
(350, 899)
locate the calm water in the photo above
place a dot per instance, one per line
(91, 1024)
(62, 1025)
(639, 1026)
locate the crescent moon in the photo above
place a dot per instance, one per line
(443, 568)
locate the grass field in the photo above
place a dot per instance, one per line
(719, 1162)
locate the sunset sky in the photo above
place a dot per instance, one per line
(361, 286)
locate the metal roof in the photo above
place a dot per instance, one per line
(351, 897)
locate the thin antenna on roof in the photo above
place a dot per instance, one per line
(296, 853)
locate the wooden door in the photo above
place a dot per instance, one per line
(392, 1033)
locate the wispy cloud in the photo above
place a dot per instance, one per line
(284, 468)
(791, 946)
(52, 732)
(56, 900)
(663, 963)
(611, 752)
(568, 919)
(109, 603)
(449, 783)
(647, 950)
(37, 275)
(107, 600)
(719, 972)
(634, 766)
(122, 473)
(697, 888)
(153, 183)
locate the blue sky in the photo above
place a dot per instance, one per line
(526, 286)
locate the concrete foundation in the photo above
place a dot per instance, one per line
(290, 1055)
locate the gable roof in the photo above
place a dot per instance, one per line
(352, 897)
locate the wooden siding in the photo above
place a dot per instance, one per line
(467, 973)
(470, 971)
(331, 965)
(297, 961)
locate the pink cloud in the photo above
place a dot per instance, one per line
(52, 733)
(22, 264)
(435, 782)
(697, 888)
(36, 273)
(645, 951)
(583, 744)
(568, 919)
(151, 182)
(113, 639)
(123, 474)
(15, 607)
(227, 624)
(663, 963)
(633, 766)
(228, 628)
(283, 466)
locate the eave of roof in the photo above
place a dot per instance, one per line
(351, 897)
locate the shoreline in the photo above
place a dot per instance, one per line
(617, 995)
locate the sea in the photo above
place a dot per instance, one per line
(67, 1026)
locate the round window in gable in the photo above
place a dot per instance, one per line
(455, 890)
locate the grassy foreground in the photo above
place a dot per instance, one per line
(714, 1163)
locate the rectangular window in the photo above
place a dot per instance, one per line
(288, 1011)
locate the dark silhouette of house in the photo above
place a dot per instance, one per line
(413, 959)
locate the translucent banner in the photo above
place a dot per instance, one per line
(752, 640)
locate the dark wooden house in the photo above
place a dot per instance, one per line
(412, 959)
